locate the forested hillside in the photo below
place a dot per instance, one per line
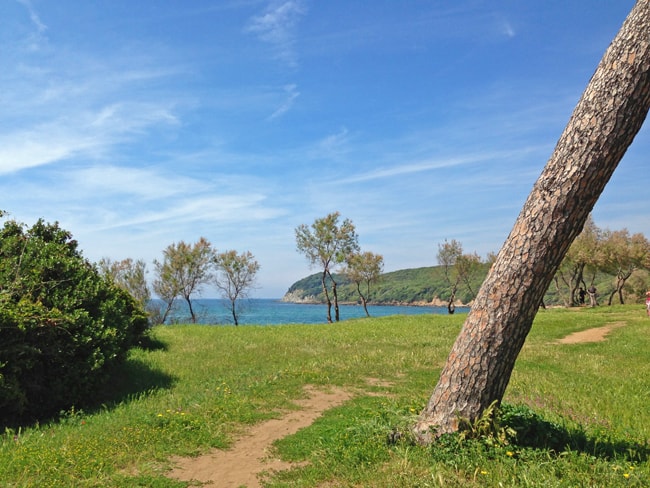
(418, 285)
(415, 285)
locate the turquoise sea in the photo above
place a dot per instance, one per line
(268, 311)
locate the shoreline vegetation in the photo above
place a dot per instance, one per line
(298, 297)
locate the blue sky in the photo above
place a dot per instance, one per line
(136, 124)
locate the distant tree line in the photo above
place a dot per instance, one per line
(612, 264)
(181, 273)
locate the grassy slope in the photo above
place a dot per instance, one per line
(202, 384)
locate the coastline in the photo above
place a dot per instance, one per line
(297, 299)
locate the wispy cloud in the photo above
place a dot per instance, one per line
(37, 38)
(78, 134)
(505, 27)
(277, 25)
(291, 94)
(404, 169)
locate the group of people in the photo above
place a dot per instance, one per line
(592, 295)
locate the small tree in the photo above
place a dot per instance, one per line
(131, 276)
(235, 277)
(327, 244)
(623, 254)
(364, 268)
(184, 269)
(448, 253)
(165, 286)
(582, 258)
(458, 268)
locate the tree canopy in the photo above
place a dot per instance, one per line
(327, 244)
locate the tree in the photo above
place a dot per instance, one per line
(235, 276)
(184, 269)
(458, 268)
(131, 276)
(623, 254)
(583, 255)
(608, 116)
(327, 244)
(165, 286)
(364, 268)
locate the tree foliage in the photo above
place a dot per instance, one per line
(605, 259)
(459, 269)
(363, 269)
(622, 255)
(235, 276)
(183, 270)
(328, 244)
(580, 265)
(63, 326)
(131, 276)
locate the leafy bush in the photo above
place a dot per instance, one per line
(62, 325)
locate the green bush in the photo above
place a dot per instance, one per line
(62, 325)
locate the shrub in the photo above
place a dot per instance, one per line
(62, 325)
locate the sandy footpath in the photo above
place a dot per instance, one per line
(249, 456)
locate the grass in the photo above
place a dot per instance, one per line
(583, 408)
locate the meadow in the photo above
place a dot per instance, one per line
(583, 410)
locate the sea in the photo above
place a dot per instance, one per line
(272, 311)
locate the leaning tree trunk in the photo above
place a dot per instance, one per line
(603, 125)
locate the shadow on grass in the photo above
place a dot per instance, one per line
(149, 343)
(529, 430)
(131, 379)
(127, 381)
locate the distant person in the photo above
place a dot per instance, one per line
(647, 302)
(592, 296)
(582, 294)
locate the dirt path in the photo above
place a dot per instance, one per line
(597, 334)
(240, 465)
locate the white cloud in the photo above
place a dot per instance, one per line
(33, 16)
(79, 134)
(276, 26)
(402, 169)
(36, 39)
(506, 28)
(291, 95)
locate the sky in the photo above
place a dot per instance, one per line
(138, 124)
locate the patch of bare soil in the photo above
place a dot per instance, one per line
(242, 464)
(597, 334)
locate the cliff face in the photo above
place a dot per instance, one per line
(299, 296)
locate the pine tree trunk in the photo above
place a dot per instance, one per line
(603, 125)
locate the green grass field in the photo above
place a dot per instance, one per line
(587, 406)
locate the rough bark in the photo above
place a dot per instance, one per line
(602, 126)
